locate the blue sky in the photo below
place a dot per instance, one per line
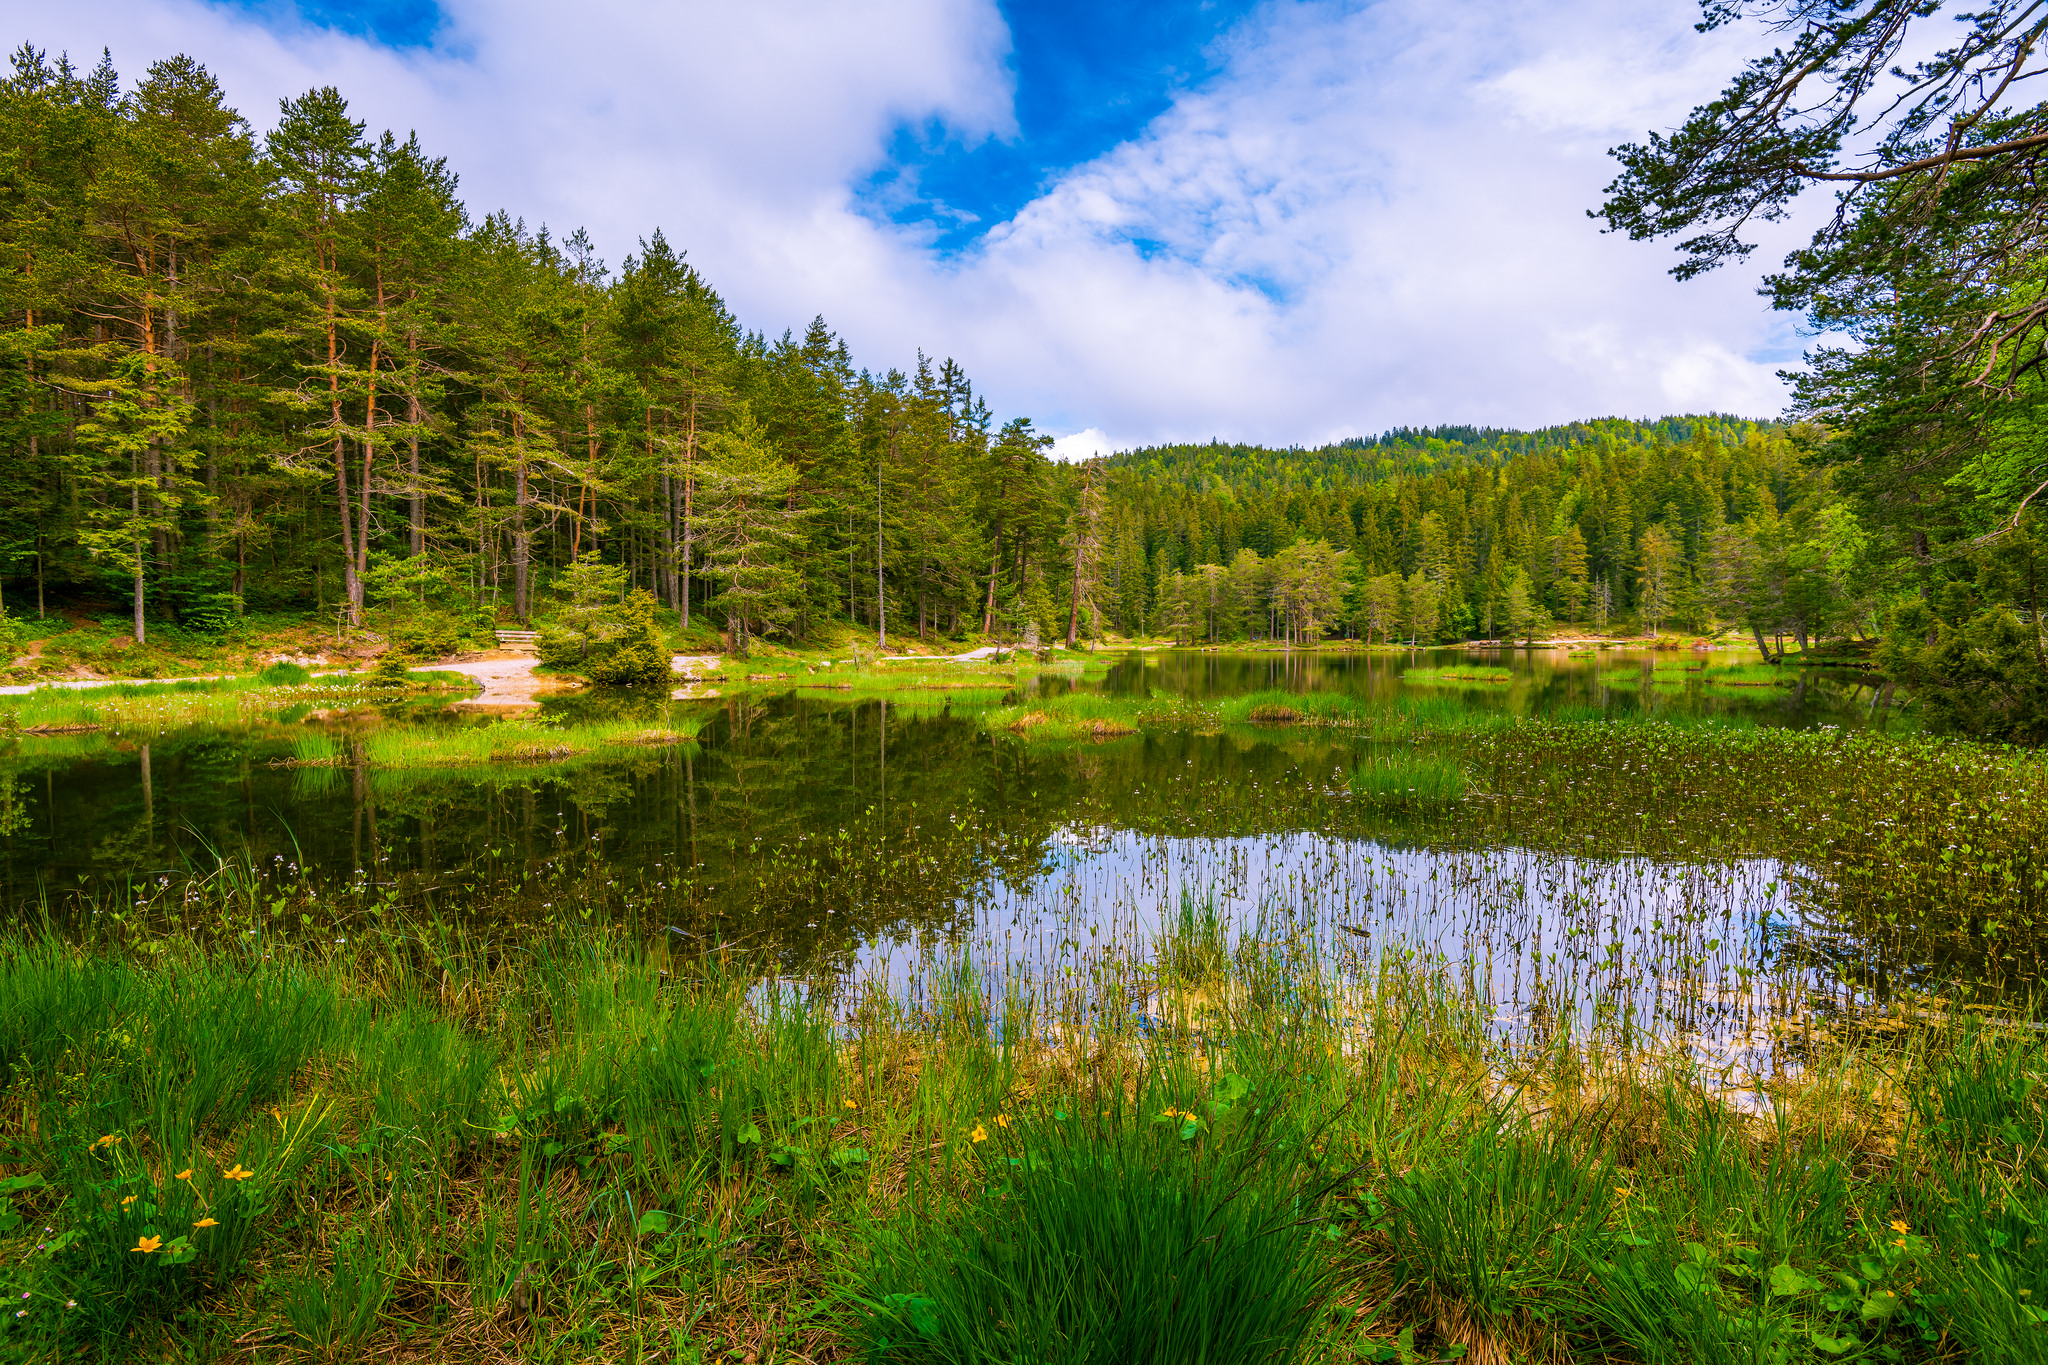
(393, 23)
(1282, 221)
(1088, 77)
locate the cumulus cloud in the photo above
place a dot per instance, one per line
(1368, 216)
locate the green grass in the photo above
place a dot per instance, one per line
(165, 705)
(513, 741)
(1458, 677)
(1284, 1158)
(1402, 776)
(1070, 717)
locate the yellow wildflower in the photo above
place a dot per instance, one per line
(980, 1134)
(109, 1140)
(207, 1223)
(237, 1172)
(1002, 1120)
(147, 1244)
(852, 1105)
(129, 1200)
(1898, 1226)
(185, 1174)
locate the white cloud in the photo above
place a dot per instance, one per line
(1370, 216)
(1085, 444)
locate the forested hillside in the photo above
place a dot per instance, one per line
(1698, 522)
(291, 372)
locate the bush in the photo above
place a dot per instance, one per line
(282, 674)
(213, 613)
(390, 671)
(431, 637)
(613, 638)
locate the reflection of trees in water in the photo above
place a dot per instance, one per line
(815, 824)
(1543, 684)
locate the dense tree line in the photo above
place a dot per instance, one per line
(1700, 523)
(247, 372)
(244, 372)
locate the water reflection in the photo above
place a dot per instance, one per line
(827, 826)
(1691, 947)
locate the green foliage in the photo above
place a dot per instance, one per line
(1976, 671)
(423, 606)
(391, 671)
(1144, 1233)
(639, 655)
(613, 637)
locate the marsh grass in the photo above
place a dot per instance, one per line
(595, 1147)
(1085, 716)
(514, 741)
(1457, 677)
(1409, 776)
(165, 705)
(1115, 1226)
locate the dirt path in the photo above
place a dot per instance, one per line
(509, 683)
(510, 686)
(694, 669)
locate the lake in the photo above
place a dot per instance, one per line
(831, 830)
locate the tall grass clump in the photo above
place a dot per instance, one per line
(1083, 716)
(1409, 776)
(1114, 1227)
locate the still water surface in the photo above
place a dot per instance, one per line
(851, 830)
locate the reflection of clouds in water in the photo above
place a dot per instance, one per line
(1686, 946)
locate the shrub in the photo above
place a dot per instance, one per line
(614, 640)
(639, 656)
(390, 670)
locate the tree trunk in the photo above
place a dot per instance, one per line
(352, 588)
(988, 615)
(689, 492)
(369, 454)
(416, 511)
(1074, 606)
(881, 596)
(522, 538)
(135, 508)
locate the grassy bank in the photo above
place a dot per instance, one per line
(513, 741)
(422, 1148)
(211, 701)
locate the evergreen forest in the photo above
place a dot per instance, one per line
(291, 372)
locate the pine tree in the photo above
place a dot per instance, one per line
(750, 529)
